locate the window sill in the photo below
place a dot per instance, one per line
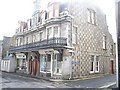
(96, 71)
(104, 49)
(92, 24)
(91, 72)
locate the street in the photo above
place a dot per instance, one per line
(15, 81)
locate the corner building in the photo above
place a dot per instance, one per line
(68, 40)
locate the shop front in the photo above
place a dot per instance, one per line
(50, 63)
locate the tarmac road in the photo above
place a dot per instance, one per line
(15, 81)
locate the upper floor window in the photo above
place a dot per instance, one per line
(104, 42)
(20, 41)
(26, 40)
(33, 38)
(41, 36)
(49, 33)
(50, 11)
(56, 10)
(17, 42)
(74, 35)
(91, 16)
(56, 32)
(111, 51)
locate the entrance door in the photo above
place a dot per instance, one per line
(36, 63)
(57, 64)
(112, 67)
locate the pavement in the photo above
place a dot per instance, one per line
(10, 79)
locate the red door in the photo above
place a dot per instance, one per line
(36, 66)
(30, 66)
(112, 67)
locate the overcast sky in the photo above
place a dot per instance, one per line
(13, 10)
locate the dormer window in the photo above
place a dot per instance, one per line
(91, 16)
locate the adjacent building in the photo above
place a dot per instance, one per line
(117, 3)
(0, 52)
(68, 40)
(6, 44)
(0, 49)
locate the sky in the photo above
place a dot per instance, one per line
(14, 10)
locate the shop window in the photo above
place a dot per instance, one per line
(48, 57)
(59, 57)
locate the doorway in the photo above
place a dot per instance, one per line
(57, 64)
(112, 67)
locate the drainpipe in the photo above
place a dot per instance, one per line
(52, 64)
(71, 52)
(71, 66)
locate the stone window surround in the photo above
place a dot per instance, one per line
(94, 64)
(91, 19)
(52, 26)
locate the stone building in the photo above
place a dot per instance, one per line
(0, 49)
(68, 40)
(6, 46)
(117, 3)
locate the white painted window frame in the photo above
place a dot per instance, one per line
(94, 65)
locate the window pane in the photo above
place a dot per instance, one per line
(97, 62)
(49, 32)
(104, 42)
(88, 15)
(26, 40)
(91, 66)
(92, 17)
(92, 61)
(41, 35)
(55, 31)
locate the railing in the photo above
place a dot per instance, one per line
(53, 42)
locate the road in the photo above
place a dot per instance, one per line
(15, 81)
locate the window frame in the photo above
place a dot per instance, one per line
(91, 16)
(74, 34)
(97, 64)
(94, 64)
(41, 36)
(58, 31)
(104, 42)
(111, 50)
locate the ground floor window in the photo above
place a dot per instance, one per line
(97, 63)
(45, 63)
(94, 64)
